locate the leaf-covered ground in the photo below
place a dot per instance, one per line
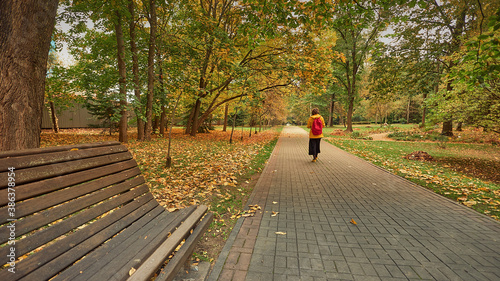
(205, 169)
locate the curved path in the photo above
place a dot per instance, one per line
(403, 231)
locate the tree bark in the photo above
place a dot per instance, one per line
(122, 128)
(135, 72)
(226, 111)
(424, 111)
(350, 111)
(163, 120)
(332, 106)
(194, 121)
(55, 124)
(456, 33)
(408, 111)
(25, 33)
(151, 58)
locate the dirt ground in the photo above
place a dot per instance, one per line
(212, 243)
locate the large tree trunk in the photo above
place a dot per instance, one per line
(122, 128)
(151, 58)
(135, 72)
(25, 32)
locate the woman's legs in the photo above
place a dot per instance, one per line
(314, 148)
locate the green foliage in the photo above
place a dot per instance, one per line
(476, 80)
(58, 89)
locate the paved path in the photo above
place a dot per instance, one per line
(403, 231)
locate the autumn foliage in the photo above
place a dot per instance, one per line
(202, 166)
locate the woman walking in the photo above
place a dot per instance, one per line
(316, 123)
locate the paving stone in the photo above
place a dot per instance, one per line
(403, 231)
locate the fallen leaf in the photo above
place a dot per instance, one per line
(280, 233)
(353, 222)
(131, 271)
(274, 214)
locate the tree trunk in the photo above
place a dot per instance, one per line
(455, 46)
(194, 120)
(424, 111)
(447, 129)
(163, 120)
(25, 33)
(349, 117)
(408, 111)
(459, 126)
(156, 123)
(226, 111)
(188, 123)
(163, 98)
(172, 116)
(122, 128)
(55, 124)
(135, 72)
(332, 106)
(151, 72)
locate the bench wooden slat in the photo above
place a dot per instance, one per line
(29, 161)
(33, 189)
(145, 243)
(31, 206)
(34, 151)
(149, 267)
(48, 262)
(78, 251)
(95, 257)
(38, 239)
(174, 265)
(45, 217)
(84, 212)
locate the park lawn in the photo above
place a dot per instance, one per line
(206, 169)
(464, 172)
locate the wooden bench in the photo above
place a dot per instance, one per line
(84, 212)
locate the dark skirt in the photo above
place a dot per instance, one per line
(314, 146)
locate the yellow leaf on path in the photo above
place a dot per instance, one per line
(280, 233)
(274, 214)
(131, 271)
(73, 149)
(274, 202)
(353, 222)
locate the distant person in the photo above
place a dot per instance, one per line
(316, 123)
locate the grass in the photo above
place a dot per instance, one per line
(464, 172)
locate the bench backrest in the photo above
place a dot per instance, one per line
(60, 192)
